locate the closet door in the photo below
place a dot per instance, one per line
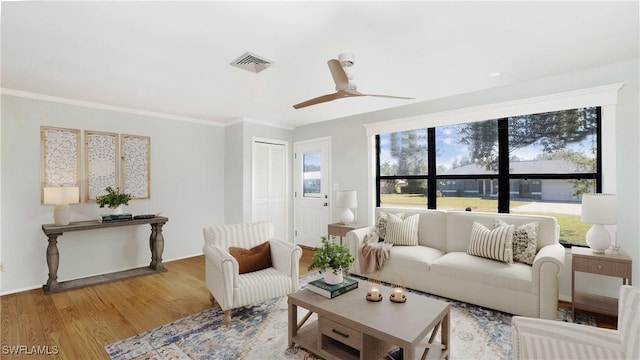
(270, 185)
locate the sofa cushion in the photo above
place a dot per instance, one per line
(525, 241)
(402, 231)
(460, 265)
(382, 219)
(416, 258)
(496, 244)
(254, 259)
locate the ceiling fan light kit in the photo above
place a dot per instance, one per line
(345, 86)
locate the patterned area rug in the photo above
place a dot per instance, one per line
(259, 332)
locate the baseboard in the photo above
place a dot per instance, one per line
(39, 286)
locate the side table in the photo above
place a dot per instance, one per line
(609, 264)
(338, 229)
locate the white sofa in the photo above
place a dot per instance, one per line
(440, 264)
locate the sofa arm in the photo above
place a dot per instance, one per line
(285, 257)
(354, 239)
(546, 272)
(551, 339)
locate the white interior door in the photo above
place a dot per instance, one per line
(269, 181)
(311, 191)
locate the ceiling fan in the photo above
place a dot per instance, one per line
(345, 87)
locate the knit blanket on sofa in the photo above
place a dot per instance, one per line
(373, 254)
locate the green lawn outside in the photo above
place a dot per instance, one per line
(571, 228)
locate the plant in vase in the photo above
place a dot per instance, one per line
(332, 256)
(113, 199)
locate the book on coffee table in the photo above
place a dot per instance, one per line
(395, 354)
(330, 291)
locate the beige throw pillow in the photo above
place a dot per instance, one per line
(496, 244)
(381, 223)
(525, 241)
(402, 232)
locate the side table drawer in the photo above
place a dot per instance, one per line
(602, 267)
(341, 333)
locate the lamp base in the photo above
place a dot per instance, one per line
(61, 214)
(598, 239)
(346, 216)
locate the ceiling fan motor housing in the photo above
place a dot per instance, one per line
(346, 59)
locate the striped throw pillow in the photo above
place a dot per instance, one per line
(402, 232)
(496, 244)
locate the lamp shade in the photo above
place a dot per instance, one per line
(599, 209)
(346, 199)
(60, 195)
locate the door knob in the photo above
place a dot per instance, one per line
(326, 204)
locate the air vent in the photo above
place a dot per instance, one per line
(251, 62)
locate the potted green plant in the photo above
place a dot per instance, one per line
(334, 256)
(113, 199)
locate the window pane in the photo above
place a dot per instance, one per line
(311, 175)
(467, 149)
(561, 142)
(403, 192)
(557, 198)
(460, 194)
(403, 153)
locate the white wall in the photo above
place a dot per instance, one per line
(187, 173)
(348, 137)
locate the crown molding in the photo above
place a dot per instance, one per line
(94, 105)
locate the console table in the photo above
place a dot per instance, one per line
(156, 245)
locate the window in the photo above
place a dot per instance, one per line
(311, 179)
(536, 164)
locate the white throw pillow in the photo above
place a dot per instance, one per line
(381, 223)
(402, 232)
(496, 244)
(525, 241)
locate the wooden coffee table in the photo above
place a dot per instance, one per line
(350, 327)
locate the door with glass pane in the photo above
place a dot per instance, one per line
(311, 191)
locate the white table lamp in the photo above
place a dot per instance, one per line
(599, 210)
(346, 200)
(61, 197)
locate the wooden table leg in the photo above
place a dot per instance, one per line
(446, 334)
(293, 322)
(53, 261)
(157, 247)
(152, 246)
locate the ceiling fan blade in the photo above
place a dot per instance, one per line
(338, 74)
(318, 100)
(389, 96)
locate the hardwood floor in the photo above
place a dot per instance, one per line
(77, 324)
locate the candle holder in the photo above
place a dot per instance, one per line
(374, 290)
(398, 294)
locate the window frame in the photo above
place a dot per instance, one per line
(503, 176)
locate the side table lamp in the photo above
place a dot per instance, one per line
(599, 210)
(61, 197)
(346, 200)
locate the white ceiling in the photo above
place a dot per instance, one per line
(173, 57)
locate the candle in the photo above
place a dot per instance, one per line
(398, 292)
(375, 292)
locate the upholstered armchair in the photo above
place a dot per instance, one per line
(550, 339)
(231, 289)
